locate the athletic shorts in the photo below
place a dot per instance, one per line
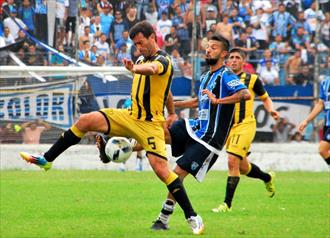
(326, 134)
(195, 158)
(70, 24)
(149, 134)
(240, 138)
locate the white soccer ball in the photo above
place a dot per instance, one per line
(118, 149)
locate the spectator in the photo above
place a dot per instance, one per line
(31, 131)
(131, 17)
(85, 20)
(27, 14)
(41, 20)
(70, 25)
(267, 57)
(171, 40)
(304, 77)
(87, 98)
(151, 15)
(101, 5)
(247, 44)
(86, 54)
(282, 130)
(237, 22)
(301, 22)
(7, 7)
(103, 48)
(96, 28)
(187, 68)
(163, 6)
(177, 62)
(142, 8)
(10, 133)
(211, 16)
(259, 22)
(301, 38)
(106, 20)
(57, 60)
(281, 21)
(325, 30)
(118, 26)
(135, 54)
(205, 40)
(269, 75)
(14, 23)
(297, 137)
(225, 28)
(164, 24)
(312, 17)
(61, 16)
(124, 40)
(35, 58)
(292, 67)
(123, 53)
(7, 36)
(86, 36)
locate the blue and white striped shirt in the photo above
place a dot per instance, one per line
(325, 96)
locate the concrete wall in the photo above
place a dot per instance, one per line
(278, 157)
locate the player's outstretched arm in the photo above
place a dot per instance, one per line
(241, 95)
(268, 104)
(145, 69)
(190, 103)
(318, 107)
(172, 117)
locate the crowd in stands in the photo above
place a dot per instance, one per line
(278, 36)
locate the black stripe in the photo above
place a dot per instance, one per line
(153, 153)
(207, 80)
(235, 154)
(164, 62)
(146, 98)
(169, 83)
(242, 104)
(108, 123)
(213, 109)
(137, 98)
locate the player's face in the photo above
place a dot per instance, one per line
(144, 45)
(214, 52)
(236, 62)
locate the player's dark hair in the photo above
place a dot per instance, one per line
(143, 27)
(238, 50)
(225, 43)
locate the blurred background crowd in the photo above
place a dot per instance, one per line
(279, 36)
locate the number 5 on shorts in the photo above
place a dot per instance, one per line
(151, 141)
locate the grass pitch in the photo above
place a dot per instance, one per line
(113, 204)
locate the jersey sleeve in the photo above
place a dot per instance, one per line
(162, 63)
(232, 82)
(322, 91)
(259, 89)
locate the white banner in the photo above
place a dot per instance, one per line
(53, 104)
(294, 112)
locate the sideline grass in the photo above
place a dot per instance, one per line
(113, 204)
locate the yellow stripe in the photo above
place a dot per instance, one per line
(249, 170)
(173, 176)
(77, 132)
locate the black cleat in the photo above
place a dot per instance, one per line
(100, 143)
(158, 225)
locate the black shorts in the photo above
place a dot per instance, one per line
(195, 158)
(70, 24)
(326, 134)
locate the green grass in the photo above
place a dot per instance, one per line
(113, 204)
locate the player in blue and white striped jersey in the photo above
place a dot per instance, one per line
(322, 104)
(199, 141)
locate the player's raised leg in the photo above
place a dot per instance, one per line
(93, 121)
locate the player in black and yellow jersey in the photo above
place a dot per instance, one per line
(144, 121)
(243, 132)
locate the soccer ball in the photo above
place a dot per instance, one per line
(118, 149)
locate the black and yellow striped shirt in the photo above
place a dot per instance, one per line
(244, 110)
(149, 92)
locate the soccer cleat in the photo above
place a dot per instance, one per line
(158, 225)
(100, 144)
(196, 223)
(223, 207)
(270, 187)
(37, 160)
